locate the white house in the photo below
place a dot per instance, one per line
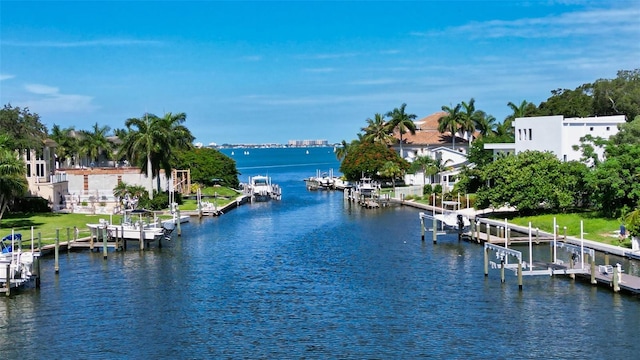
(557, 134)
(428, 141)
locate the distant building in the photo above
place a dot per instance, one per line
(557, 134)
(306, 143)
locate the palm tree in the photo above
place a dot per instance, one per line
(178, 137)
(403, 122)
(377, 130)
(485, 124)
(469, 118)
(426, 164)
(150, 143)
(95, 143)
(440, 167)
(67, 144)
(450, 122)
(342, 151)
(391, 170)
(13, 182)
(521, 110)
(140, 144)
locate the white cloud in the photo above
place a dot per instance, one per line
(251, 58)
(48, 99)
(85, 43)
(320, 70)
(614, 22)
(6, 77)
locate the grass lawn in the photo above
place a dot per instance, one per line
(595, 228)
(47, 223)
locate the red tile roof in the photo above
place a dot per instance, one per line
(427, 132)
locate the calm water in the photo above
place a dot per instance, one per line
(308, 277)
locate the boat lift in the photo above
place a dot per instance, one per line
(555, 267)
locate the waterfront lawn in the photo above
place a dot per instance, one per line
(595, 228)
(47, 223)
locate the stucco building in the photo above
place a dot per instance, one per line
(557, 134)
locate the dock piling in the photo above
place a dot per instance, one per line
(7, 284)
(104, 241)
(57, 252)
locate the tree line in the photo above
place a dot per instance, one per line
(530, 181)
(150, 142)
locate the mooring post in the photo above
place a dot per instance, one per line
(141, 237)
(178, 221)
(565, 234)
(422, 228)
(502, 279)
(489, 233)
(104, 242)
(68, 239)
(123, 238)
(571, 261)
(478, 232)
(606, 258)
(435, 230)
(36, 269)
(520, 274)
(91, 230)
(593, 270)
(486, 261)
(616, 280)
(7, 277)
(40, 242)
(537, 236)
(56, 266)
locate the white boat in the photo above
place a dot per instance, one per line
(136, 225)
(20, 262)
(260, 188)
(367, 187)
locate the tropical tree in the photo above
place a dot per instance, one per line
(401, 121)
(391, 169)
(377, 130)
(67, 144)
(450, 122)
(150, 142)
(178, 137)
(469, 118)
(341, 151)
(23, 129)
(207, 165)
(368, 159)
(426, 164)
(632, 221)
(95, 143)
(485, 123)
(522, 181)
(13, 182)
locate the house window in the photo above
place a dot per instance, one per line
(530, 134)
(28, 170)
(607, 128)
(86, 182)
(591, 128)
(119, 179)
(519, 134)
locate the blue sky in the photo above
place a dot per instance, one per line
(263, 72)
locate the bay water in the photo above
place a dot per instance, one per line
(308, 277)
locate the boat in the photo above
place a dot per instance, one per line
(448, 222)
(260, 188)
(136, 225)
(20, 263)
(367, 187)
